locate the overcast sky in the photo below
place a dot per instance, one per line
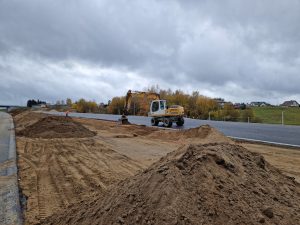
(240, 50)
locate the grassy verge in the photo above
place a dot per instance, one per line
(273, 115)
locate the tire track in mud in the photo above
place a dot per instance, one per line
(85, 172)
(56, 172)
(118, 162)
(68, 170)
(47, 190)
(41, 200)
(73, 170)
(94, 175)
(61, 176)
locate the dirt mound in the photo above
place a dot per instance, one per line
(56, 127)
(17, 111)
(26, 118)
(203, 134)
(198, 184)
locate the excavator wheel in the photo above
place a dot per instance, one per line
(154, 122)
(167, 122)
(180, 122)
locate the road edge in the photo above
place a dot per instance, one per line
(13, 170)
(269, 143)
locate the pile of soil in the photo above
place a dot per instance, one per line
(197, 184)
(17, 111)
(203, 134)
(56, 127)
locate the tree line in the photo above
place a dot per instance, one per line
(83, 106)
(32, 102)
(195, 105)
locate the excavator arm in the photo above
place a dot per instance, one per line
(130, 94)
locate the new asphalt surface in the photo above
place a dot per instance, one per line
(277, 134)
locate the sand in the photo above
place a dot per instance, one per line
(198, 184)
(59, 172)
(55, 127)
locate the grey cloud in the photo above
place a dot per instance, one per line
(106, 33)
(243, 50)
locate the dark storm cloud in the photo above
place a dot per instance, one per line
(122, 33)
(241, 50)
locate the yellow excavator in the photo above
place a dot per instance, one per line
(159, 111)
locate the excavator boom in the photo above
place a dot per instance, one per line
(130, 94)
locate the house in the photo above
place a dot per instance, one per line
(220, 101)
(259, 104)
(240, 106)
(291, 103)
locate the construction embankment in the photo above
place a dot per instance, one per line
(79, 171)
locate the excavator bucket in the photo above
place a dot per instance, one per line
(124, 119)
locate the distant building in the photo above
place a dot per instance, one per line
(259, 104)
(291, 103)
(240, 106)
(221, 102)
(102, 105)
(38, 106)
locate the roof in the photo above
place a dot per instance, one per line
(290, 103)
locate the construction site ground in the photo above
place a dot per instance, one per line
(87, 157)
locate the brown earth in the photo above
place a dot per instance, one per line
(287, 160)
(198, 184)
(17, 111)
(56, 127)
(26, 118)
(56, 173)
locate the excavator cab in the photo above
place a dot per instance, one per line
(158, 107)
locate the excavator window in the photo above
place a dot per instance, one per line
(162, 105)
(155, 106)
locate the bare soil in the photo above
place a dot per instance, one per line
(59, 172)
(56, 172)
(56, 127)
(287, 160)
(199, 184)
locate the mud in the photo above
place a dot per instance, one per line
(56, 127)
(198, 184)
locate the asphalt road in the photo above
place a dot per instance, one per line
(10, 212)
(278, 134)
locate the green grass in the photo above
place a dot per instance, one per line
(272, 115)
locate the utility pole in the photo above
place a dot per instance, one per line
(208, 115)
(282, 119)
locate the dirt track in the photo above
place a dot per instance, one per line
(56, 172)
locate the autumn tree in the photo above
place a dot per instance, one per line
(116, 105)
(84, 106)
(69, 102)
(230, 113)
